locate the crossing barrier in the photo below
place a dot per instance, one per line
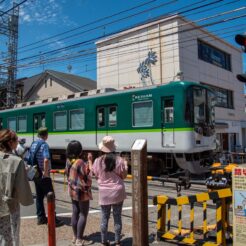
(165, 231)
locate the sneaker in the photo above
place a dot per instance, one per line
(59, 223)
(42, 220)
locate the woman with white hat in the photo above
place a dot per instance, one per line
(110, 170)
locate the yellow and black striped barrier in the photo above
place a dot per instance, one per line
(222, 198)
(59, 171)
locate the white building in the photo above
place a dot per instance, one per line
(183, 51)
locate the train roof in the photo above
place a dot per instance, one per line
(96, 93)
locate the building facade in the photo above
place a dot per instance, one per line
(174, 48)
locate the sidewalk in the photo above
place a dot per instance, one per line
(34, 235)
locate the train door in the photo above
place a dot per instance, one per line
(38, 121)
(167, 122)
(106, 121)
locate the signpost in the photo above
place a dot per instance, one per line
(239, 205)
(139, 193)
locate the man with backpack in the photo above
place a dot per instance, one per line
(39, 155)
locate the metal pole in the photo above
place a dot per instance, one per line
(51, 219)
(139, 193)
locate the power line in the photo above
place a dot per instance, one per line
(91, 23)
(94, 39)
(15, 6)
(124, 45)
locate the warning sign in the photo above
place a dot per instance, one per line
(239, 205)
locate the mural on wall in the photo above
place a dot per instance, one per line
(144, 68)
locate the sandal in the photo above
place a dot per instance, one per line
(79, 242)
(106, 243)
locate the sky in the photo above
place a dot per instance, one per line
(61, 34)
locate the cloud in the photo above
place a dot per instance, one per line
(43, 12)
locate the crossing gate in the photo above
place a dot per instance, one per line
(222, 198)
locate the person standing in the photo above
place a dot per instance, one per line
(12, 194)
(43, 184)
(110, 171)
(79, 188)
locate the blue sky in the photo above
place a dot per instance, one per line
(40, 20)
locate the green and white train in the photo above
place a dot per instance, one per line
(176, 119)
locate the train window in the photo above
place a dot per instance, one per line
(1, 123)
(168, 111)
(43, 121)
(142, 114)
(77, 119)
(60, 120)
(12, 123)
(101, 117)
(21, 124)
(112, 116)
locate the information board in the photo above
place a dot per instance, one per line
(239, 205)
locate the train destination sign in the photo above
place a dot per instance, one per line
(141, 97)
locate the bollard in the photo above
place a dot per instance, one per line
(51, 219)
(139, 193)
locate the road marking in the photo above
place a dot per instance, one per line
(94, 211)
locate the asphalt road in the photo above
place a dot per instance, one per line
(63, 205)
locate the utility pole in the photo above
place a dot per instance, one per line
(8, 62)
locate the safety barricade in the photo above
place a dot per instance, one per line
(165, 229)
(58, 171)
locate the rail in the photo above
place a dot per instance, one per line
(165, 231)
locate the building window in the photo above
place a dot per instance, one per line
(223, 97)
(51, 82)
(45, 83)
(22, 122)
(142, 114)
(77, 119)
(213, 55)
(60, 120)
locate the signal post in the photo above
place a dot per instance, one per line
(139, 193)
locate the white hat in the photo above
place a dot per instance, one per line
(107, 145)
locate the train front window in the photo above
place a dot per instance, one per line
(199, 101)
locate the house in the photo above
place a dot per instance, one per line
(174, 48)
(52, 83)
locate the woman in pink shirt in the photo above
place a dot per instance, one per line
(110, 170)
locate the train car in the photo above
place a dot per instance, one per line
(176, 119)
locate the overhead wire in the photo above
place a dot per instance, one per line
(76, 45)
(130, 16)
(80, 43)
(96, 52)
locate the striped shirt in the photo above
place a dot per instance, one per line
(111, 185)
